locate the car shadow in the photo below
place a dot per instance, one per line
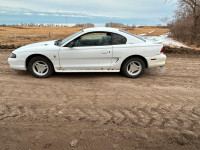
(86, 75)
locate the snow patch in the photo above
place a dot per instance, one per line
(147, 33)
(165, 40)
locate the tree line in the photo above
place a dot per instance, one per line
(49, 25)
(186, 24)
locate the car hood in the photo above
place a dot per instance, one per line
(47, 45)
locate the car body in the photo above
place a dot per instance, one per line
(89, 50)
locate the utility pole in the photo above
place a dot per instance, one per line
(66, 24)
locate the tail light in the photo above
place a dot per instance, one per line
(162, 50)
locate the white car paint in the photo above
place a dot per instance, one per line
(90, 58)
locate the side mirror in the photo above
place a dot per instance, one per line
(71, 44)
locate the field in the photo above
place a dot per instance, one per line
(148, 31)
(160, 110)
(16, 36)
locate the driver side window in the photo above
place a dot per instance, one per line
(93, 39)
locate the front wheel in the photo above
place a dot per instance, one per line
(133, 67)
(40, 67)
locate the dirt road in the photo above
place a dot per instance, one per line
(160, 110)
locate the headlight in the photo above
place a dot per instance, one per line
(12, 55)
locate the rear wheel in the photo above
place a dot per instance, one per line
(133, 67)
(40, 67)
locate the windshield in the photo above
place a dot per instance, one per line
(133, 35)
(70, 37)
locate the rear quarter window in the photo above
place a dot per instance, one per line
(118, 39)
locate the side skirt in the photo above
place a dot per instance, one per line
(87, 70)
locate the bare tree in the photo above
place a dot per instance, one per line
(186, 25)
(193, 7)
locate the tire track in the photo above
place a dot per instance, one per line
(161, 116)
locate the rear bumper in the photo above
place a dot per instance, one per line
(17, 64)
(156, 61)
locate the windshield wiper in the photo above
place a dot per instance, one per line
(57, 42)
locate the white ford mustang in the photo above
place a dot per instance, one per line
(90, 50)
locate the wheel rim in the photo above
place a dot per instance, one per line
(134, 68)
(40, 68)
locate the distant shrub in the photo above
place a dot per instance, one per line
(112, 24)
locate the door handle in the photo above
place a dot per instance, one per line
(105, 52)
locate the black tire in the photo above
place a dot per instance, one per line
(125, 65)
(48, 72)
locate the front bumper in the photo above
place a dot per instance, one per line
(17, 64)
(156, 61)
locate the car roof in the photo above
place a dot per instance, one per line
(104, 29)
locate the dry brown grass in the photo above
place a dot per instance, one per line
(145, 30)
(16, 36)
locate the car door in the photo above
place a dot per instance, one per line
(91, 51)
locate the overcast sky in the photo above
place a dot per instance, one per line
(138, 12)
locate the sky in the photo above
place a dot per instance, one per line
(137, 12)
